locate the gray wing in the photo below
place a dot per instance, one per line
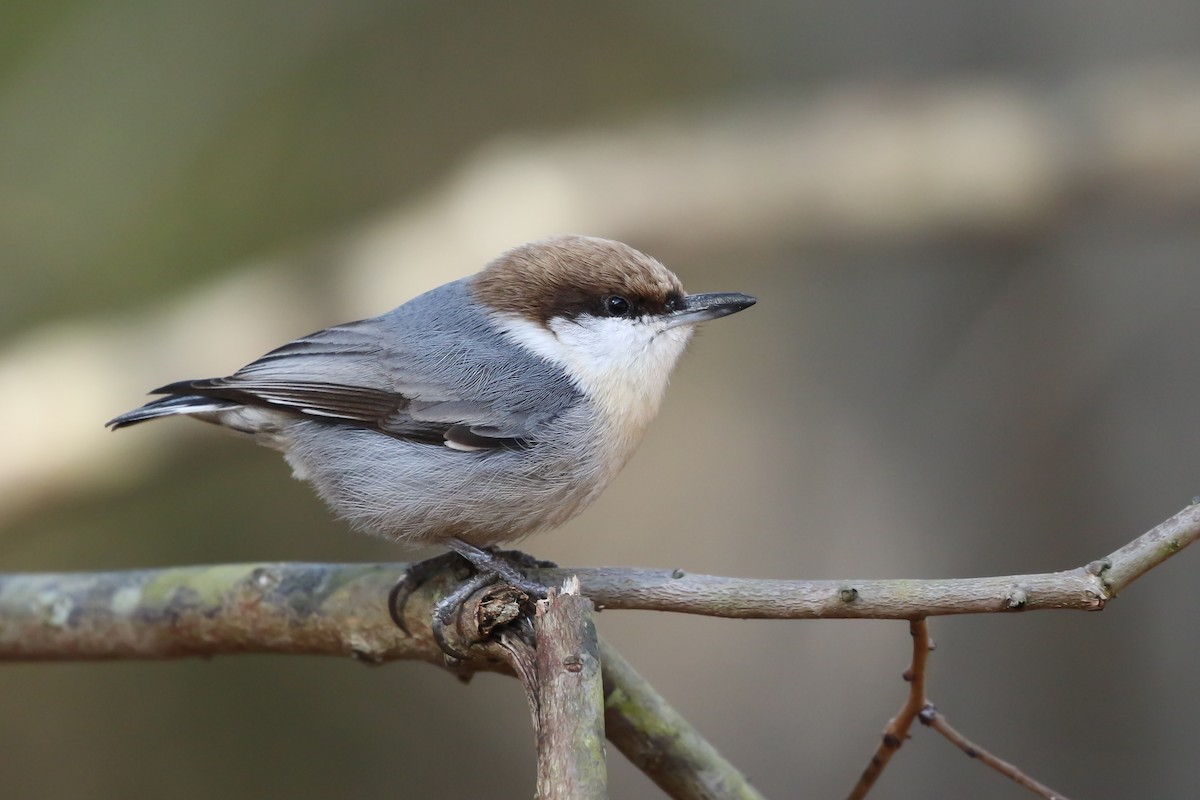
(447, 382)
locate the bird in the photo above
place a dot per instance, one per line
(484, 410)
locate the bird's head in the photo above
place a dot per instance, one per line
(615, 319)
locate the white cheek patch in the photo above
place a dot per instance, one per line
(604, 344)
(535, 338)
(621, 364)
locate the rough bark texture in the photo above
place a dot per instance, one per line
(341, 608)
(570, 735)
(211, 610)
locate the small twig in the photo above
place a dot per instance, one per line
(918, 707)
(930, 717)
(1086, 588)
(660, 742)
(896, 731)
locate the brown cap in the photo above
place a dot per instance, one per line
(566, 276)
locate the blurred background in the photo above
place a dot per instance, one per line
(974, 231)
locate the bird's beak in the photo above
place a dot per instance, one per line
(703, 307)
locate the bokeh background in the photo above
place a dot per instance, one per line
(974, 230)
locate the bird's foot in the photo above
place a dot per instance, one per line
(504, 565)
(491, 567)
(414, 578)
(503, 605)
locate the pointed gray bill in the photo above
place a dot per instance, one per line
(711, 305)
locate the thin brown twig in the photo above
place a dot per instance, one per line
(896, 731)
(917, 706)
(1086, 588)
(930, 718)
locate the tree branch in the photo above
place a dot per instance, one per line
(570, 733)
(660, 742)
(336, 609)
(1086, 588)
(561, 675)
(317, 609)
(341, 610)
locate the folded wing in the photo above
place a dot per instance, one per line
(356, 375)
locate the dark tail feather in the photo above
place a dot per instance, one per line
(167, 407)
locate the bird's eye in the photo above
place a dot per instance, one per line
(617, 306)
(674, 303)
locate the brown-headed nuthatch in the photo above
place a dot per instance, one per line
(484, 410)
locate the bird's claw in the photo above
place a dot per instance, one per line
(446, 610)
(491, 566)
(413, 578)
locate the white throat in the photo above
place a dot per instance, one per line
(622, 365)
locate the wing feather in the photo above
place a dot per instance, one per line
(353, 374)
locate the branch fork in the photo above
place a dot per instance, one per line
(339, 609)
